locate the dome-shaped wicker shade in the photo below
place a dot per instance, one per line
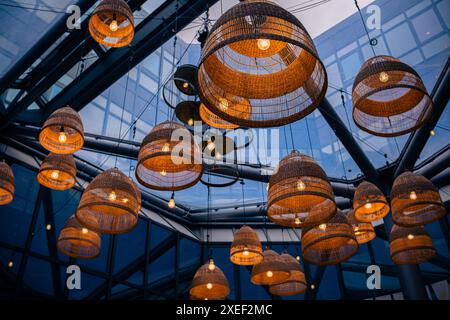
(295, 284)
(113, 201)
(259, 53)
(364, 231)
(389, 98)
(58, 172)
(77, 241)
(188, 112)
(160, 168)
(6, 184)
(369, 203)
(209, 284)
(213, 120)
(300, 194)
(63, 132)
(272, 270)
(415, 201)
(246, 249)
(329, 243)
(411, 245)
(112, 24)
(185, 78)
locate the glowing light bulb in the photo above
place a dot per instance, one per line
(125, 200)
(384, 77)
(297, 221)
(209, 286)
(171, 203)
(10, 264)
(356, 229)
(54, 175)
(269, 274)
(206, 299)
(368, 205)
(112, 196)
(223, 104)
(211, 265)
(313, 287)
(432, 133)
(166, 147)
(48, 227)
(163, 173)
(218, 156)
(297, 258)
(84, 231)
(245, 253)
(323, 226)
(413, 195)
(263, 44)
(185, 85)
(410, 236)
(113, 26)
(62, 137)
(191, 122)
(301, 185)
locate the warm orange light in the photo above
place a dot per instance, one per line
(410, 236)
(112, 196)
(323, 226)
(62, 137)
(263, 44)
(54, 174)
(113, 26)
(301, 185)
(84, 231)
(384, 77)
(269, 274)
(413, 195)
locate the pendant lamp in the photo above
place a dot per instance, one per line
(329, 243)
(415, 201)
(209, 283)
(300, 194)
(159, 167)
(389, 98)
(369, 203)
(246, 249)
(6, 184)
(213, 120)
(63, 132)
(185, 78)
(77, 241)
(364, 231)
(113, 201)
(58, 172)
(272, 270)
(259, 53)
(188, 112)
(295, 284)
(411, 245)
(112, 24)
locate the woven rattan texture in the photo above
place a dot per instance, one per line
(58, 172)
(209, 284)
(369, 203)
(272, 270)
(246, 249)
(295, 284)
(411, 245)
(364, 231)
(6, 184)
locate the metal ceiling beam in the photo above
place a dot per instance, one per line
(417, 141)
(436, 164)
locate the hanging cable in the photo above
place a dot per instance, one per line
(243, 201)
(373, 42)
(309, 137)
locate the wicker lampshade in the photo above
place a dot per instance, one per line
(389, 98)
(77, 241)
(415, 201)
(209, 284)
(6, 184)
(159, 169)
(364, 231)
(246, 249)
(58, 172)
(188, 112)
(329, 243)
(411, 245)
(259, 67)
(300, 194)
(63, 132)
(112, 200)
(185, 78)
(272, 270)
(112, 24)
(295, 284)
(369, 203)
(213, 120)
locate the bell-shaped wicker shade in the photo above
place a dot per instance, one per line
(79, 242)
(329, 243)
(300, 194)
(213, 120)
(167, 163)
(415, 201)
(58, 172)
(209, 284)
(112, 200)
(369, 203)
(411, 245)
(188, 112)
(246, 249)
(63, 132)
(6, 184)
(112, 24)
(389, 98)
(295, 284)
(185, 78)
(272, 270)
(364, 231)
(259, 67)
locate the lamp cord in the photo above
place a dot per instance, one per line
(372, 42)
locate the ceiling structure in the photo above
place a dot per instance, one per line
(56, 67)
